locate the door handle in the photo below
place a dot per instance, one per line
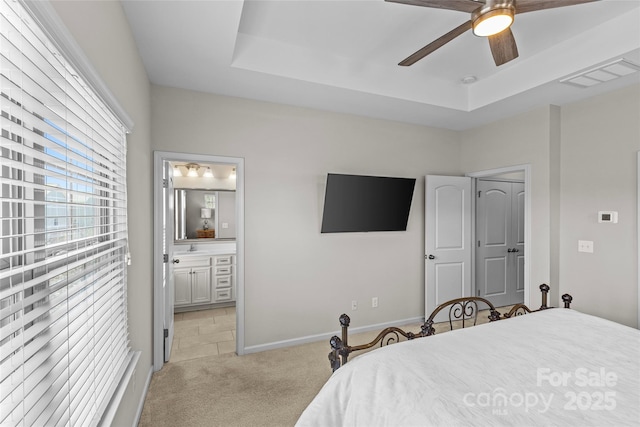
(431, 257)
(176, 261)
(509, 250)
(515, 250)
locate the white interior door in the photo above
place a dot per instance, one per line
(500, 241)
(447, 239)
(167, 250)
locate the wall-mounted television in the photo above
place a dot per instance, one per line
(357, 203)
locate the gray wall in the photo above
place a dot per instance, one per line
(297, 280)
(600, 141)
(226, 214)
(523, 139)
(583, 158)
(102, 30)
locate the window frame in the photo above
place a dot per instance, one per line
(50, 24)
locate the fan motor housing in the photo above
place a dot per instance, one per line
(493, 9)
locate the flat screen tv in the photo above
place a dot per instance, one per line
(356, 203)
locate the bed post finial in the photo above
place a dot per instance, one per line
(566, 298)
(344, 320)
(544, 288)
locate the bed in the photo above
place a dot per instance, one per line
(551, 367)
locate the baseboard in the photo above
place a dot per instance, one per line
(147, 383)
(327, 336)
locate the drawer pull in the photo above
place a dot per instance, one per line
(223, 295)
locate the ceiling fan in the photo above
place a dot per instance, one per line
(489, 18)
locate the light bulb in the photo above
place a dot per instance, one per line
(492, 22)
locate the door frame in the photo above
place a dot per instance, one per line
(526, 169)
(159, 157)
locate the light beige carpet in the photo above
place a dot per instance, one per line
(270, 388)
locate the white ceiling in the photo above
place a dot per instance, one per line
(342, 55)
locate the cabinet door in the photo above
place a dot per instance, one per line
(182, 286)
(200, 285)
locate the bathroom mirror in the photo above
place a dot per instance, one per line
(204, 214)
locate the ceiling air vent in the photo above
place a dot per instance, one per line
(619, 68)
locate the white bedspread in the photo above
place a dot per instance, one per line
(557, 367)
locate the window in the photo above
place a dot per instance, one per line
(63, 323)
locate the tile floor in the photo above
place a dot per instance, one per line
(203, 333)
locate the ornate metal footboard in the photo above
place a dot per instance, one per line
(461, 312)
(520, 309)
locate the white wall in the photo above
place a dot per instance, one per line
(297, 280)
(600, 139)
(102, 31)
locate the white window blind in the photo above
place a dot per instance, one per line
(63, 323)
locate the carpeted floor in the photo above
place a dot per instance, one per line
(270, 388)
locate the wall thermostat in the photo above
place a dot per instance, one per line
(608, 216)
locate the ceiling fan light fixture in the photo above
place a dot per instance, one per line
(493, 22)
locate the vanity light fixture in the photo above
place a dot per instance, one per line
(193, 169)
(233, 174)
(208, 173)
(177, 171)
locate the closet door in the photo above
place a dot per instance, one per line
(500, 242)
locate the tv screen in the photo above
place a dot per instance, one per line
(355, 203)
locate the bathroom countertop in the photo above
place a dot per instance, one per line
(205, 249)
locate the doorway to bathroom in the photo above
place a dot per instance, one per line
(181, 283)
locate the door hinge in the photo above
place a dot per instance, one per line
(479, 194)
(477, 295)
(165, 183)
(166, 333)
(478, 244)
(165, 258)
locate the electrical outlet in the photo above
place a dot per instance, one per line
(354, 305)
(585, 246)
(374, 302)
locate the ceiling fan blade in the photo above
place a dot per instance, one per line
(503, 47)
(523, 6)
(436, 44)
(460, 5)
